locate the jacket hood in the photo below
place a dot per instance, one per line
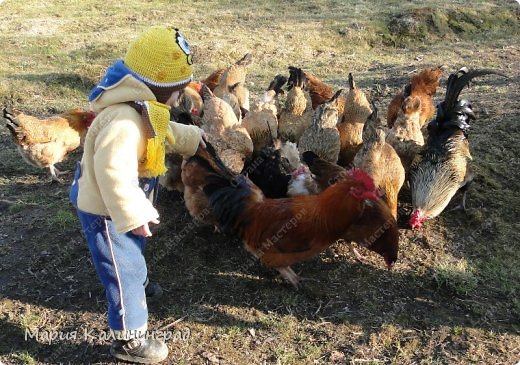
(119, 85)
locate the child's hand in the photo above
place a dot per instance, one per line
(144, 230)
(188, 138)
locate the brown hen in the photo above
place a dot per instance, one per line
(232, 86)
(380, 161)
(46, 142)
(350, 125)
(322, 137)
(422, 87)
(296, 115)
(230, 139)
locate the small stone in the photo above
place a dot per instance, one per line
(336, 356)
(211, 357)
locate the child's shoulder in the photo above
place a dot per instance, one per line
(119, 119)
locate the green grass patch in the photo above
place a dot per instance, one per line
(29, 320)
(24, 358)
(17, 207)
(63, 219)
(456, 275)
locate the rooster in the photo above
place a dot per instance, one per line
(46, 142)
(443, 167)
(194, 174)
(422, 87)
(350, 125)
(322, 137)
(380, 161)
(377, 226)
(282, 232)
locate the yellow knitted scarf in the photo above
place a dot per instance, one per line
(156, 117)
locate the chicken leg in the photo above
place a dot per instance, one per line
(356, 253)
(296, 280)
(55, 173)
(289, 275)
(464, 189)
(462, 205)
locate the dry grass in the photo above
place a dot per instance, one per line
(453, 297)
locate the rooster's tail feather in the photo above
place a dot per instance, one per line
(457, 81)
(226, 192)
(227, 200)
(8, 115)
(12, 130)
(453, 111)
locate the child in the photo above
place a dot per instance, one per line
(125, 144)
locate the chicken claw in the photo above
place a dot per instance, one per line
(296, 280)
(462, 205)
(289, 275)
(356, 253)
(55, 173)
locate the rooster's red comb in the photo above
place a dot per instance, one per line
(362, 177)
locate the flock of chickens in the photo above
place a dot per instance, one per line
(303, 166)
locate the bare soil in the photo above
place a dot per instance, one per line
(453, 297)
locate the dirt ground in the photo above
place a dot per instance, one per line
(453, 297)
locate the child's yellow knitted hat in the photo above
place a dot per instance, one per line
(161, 57)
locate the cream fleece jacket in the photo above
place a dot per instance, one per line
(114, 145)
